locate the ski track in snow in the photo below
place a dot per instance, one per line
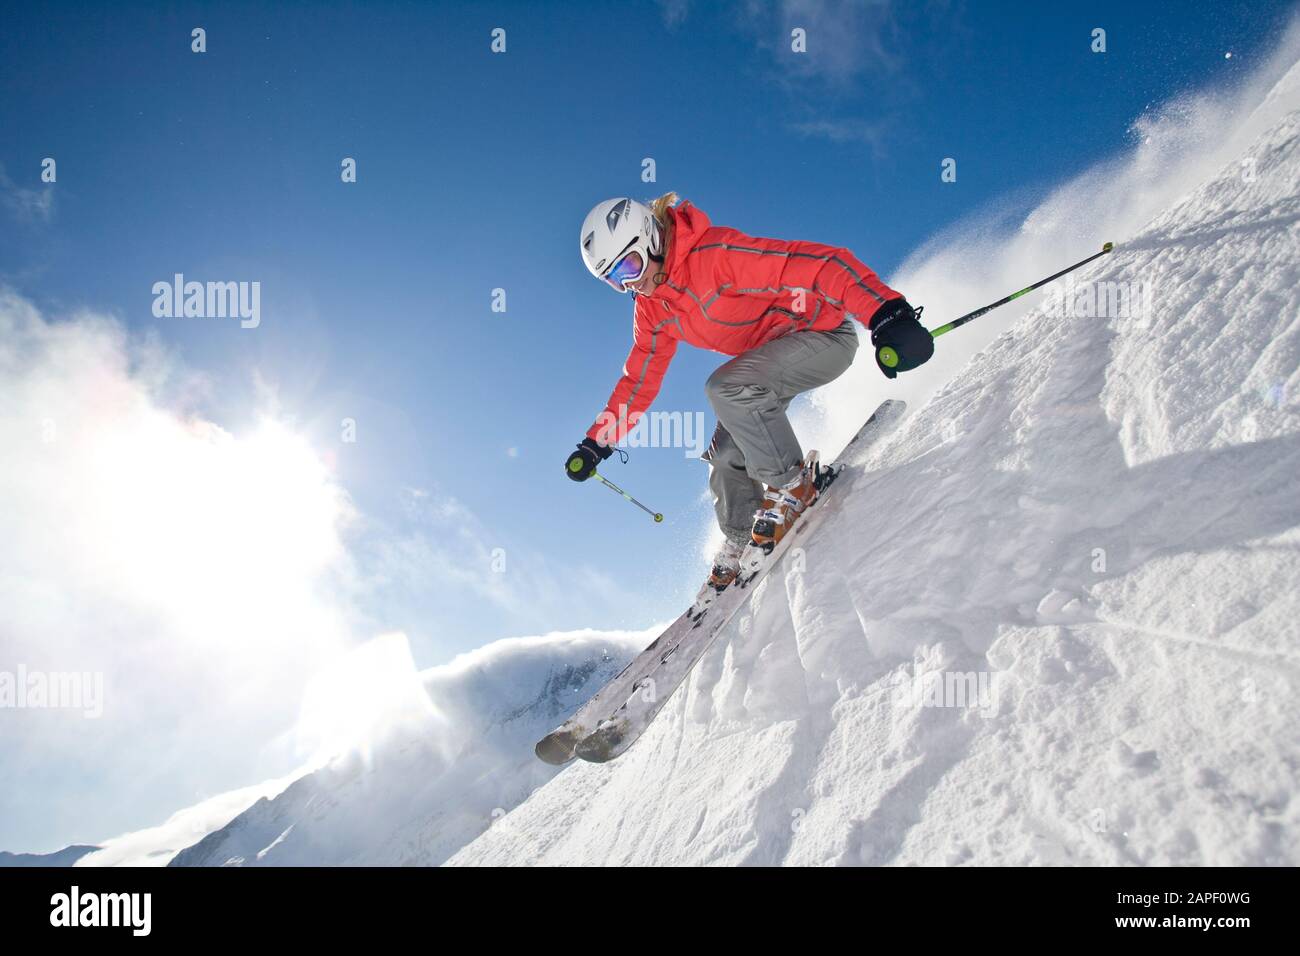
(1101, 517)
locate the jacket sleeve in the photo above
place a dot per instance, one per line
(643, 374)
(748, 264)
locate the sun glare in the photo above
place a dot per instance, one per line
(237, 529)
(360, 697)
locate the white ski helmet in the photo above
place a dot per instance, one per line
(614, 228)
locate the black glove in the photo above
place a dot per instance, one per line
(582, 463)
(896, 326)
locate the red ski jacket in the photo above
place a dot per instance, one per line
(730, 292)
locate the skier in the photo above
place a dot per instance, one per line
(784, 310)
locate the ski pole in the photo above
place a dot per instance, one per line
(889, 358)
(613, 487)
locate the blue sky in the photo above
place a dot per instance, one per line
(474, 173)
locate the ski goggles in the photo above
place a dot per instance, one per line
(629, 268)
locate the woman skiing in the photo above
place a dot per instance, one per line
(784, 310)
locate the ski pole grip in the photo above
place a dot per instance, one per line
(888, 357)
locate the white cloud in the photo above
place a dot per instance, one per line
(849, 47)
(674, 12)
(842, 131)
(445, 564)
(24, 204)
(188, 565)
(845, 38)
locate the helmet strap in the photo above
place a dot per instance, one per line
(657, 255)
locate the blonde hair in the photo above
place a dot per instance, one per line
(661, 206)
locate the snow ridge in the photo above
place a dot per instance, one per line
(432, 784)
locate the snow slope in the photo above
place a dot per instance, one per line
(1094, 527)
(429, 783)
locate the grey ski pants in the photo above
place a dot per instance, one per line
(754, 443)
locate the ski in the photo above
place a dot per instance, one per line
(558, 746)
(668, 663)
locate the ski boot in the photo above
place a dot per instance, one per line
(782, 506)
(726, 565)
